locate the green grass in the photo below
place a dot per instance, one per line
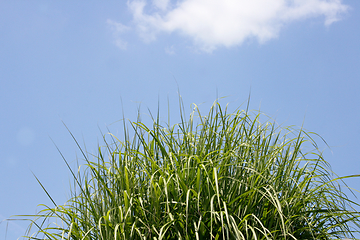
(218, 176)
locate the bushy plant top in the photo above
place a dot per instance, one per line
(219, 176)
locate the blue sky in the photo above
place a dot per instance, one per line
(85, 62)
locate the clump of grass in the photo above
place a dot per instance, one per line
(219, 176)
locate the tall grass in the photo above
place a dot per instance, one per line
(219, 176)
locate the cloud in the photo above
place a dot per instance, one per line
(215, 23)
(118, 29)
(170, 50)
(161, 4)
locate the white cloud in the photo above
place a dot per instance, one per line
(118, 29)
(161, 4)
(214, 23)
(170, 50)
(121, 44)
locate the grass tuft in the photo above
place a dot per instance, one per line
(219, 176)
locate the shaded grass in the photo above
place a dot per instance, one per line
(219, 176)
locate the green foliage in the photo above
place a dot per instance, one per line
(219, 176)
